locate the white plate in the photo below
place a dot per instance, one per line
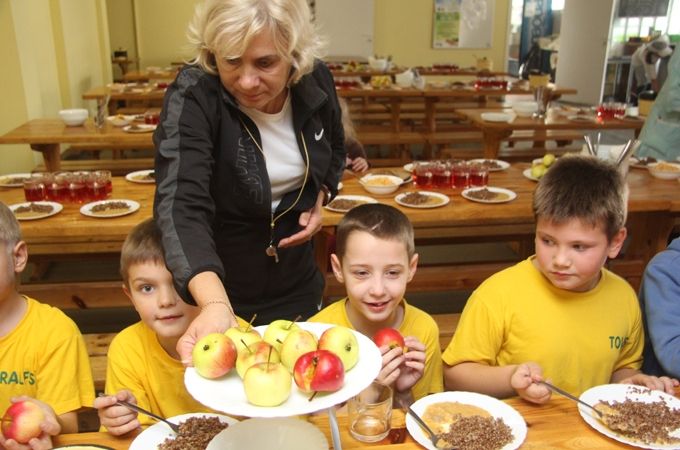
(619, 393)
(56, 207)
(86, 210)
(408, 167)
(120, 120)
(503, 164)
(363, 198)
(140, 128)
(8, 180)
(444, 199)
(140, 176)
(154, 436)
(495, 407)
(583, 119)
(282, 433)
(634, 162)
(511, 195)
(497, 116)
(226, 394)
(527, 174)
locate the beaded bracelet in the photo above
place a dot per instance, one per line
(215, 302)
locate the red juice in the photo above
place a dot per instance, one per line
(441, 179)
(97, 191)
(34, 193)
(461, 180)
(424, 180)
(479, 179)
(108, 187)
(58, 192)
(78, 192)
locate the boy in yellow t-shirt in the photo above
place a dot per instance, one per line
(143, 363)
(43, 358)
(375, 258)
(559, 315)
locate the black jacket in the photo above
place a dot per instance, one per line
(213, 197)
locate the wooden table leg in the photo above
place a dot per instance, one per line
(51, 155)
(430, 123)
(395, 106)
(492, 142)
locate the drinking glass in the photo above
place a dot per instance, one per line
(102, 186)
(441, 174)
(423, 172)
(78, 186)
(460, 174)
(34, 187)
(370, 413)
(58, 187)
(479, 175)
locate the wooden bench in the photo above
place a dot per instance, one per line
(447, 327)
(399, 143)
(97, 348)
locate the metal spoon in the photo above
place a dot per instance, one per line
(134, 407)
(433, 436)
(571, 397)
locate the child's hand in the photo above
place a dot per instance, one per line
(523, 381)
(117, 420)
(358, 165)
(392, 360)
(665, 384)
(414, 365)
(49, 426)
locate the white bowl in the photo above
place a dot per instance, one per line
(380, 184)
(404, 79)
(664, 170)
(525, 109)
(120, 120)
(380, 64)
(73, 117)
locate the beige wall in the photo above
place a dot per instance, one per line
(54, 51)
(122, 35)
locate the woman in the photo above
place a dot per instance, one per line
(249, 148)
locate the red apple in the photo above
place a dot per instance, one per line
(214, 355)
(319, 371)
(255, 353)
(21, 421)
(389, 337)
(342, 342)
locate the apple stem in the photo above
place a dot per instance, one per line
(312, 396)
(269, 356)
(293, 321)
(250, 324)
(246, 345)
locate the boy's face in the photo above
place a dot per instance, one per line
(155, 299)
(12, 261)
(375, 273)
(571, 254)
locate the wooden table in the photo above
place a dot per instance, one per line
(146, 75)
(556, 425)
(46, 135)
(145, 95)
(495, 132)
(653, 206)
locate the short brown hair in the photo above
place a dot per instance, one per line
(585, 188)
(378, 220)
(10, 231)
(143, 244)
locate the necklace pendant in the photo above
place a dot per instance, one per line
(271, 251)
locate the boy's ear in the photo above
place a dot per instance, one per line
(617, 242)
(412, 266)
(20, 256)
(337, 268)
(126, 290)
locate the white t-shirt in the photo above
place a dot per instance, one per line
(285, 165)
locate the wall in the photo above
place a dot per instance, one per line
(54, 49)
(403, 29)
(122, 34)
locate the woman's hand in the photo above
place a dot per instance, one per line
(117, 420)
(311, 223)
(214, 318)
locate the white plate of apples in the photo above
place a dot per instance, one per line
(272, 383)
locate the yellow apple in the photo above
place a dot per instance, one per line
(243, 336)
(255, 353)
(297, 343)
(342, 342)
(214, 355)
(267, 384)
(277, 331)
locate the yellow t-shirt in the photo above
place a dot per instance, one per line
(138, 363)
(578, 338)
(45, 357)
(416, 323)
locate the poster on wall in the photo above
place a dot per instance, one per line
(446, 26)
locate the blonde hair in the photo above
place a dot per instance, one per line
(10, 231)
(225, 28)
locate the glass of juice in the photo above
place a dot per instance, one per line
(423, 173)
(441, 174)
(35, 189)
(78, 187)
(479, 175)
(58, 187)
(103, 179)
(460, 174)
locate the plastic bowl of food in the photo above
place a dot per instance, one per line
(120, 120)
(380, 184)
(73, 117)
(664, 170)
(525, 109)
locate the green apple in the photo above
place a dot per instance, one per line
(548, 159)
(277, 331)
(214, 355)
(256, 352)
(343, 343)
(538, 171)
(267, 384)
(297, 343)
(243, 336)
